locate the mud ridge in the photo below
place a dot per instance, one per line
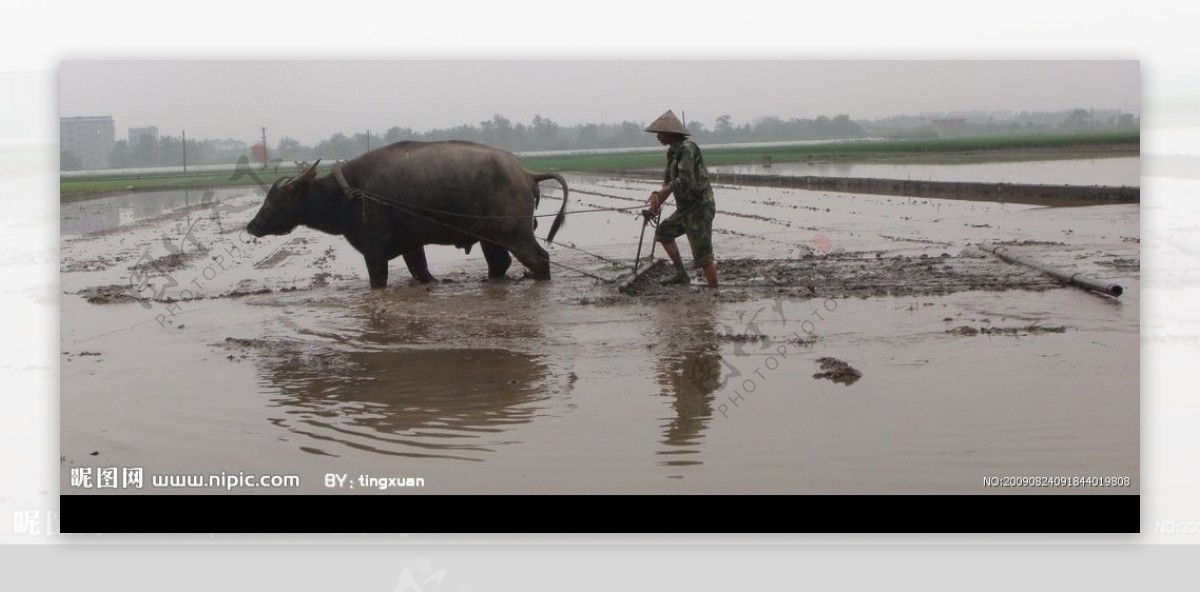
(841, 276)
(1015, 193)
(1031, 329)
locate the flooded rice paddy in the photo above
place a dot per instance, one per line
(834, 359)
(1110, 172)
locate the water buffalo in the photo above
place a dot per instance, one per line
(420, 193)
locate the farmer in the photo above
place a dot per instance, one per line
(687, 179)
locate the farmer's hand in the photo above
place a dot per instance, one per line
(654, 201)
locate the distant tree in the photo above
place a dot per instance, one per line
(360, 141)
(520, 137)
(337, 146)
(200, 153)
(487, 130)
(120, 157)
(396, 134)
(589, 136)
(842, 127)
(821, 127)
(67, 161)
(503, 133)
(724, 125)
(545, 133)
(287, 144)
(630, 133)
(143, 153)
(169, 151)
(1078, 119)
(768, 128)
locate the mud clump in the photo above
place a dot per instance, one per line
(837, 371)
(95, 265)
(1123, 264)
(167, 263)
(1031, 243)
(916, 240)
(742, 338)
(109, 294)
(1031, 329)
(248, 343)
(233, 294)
(243, 347)
(81, 355)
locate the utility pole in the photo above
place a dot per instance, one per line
(185, 152)
(266, 156)
(368, 140)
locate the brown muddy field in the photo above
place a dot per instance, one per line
(859, 344)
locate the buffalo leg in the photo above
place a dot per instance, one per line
(497, 258)
(377, 270)
(417, 266)
(532, 256)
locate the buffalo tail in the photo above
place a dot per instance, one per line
(562, 212)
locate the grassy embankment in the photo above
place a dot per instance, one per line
(955, 150)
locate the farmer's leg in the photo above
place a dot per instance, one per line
(699, 233)
(668, 230)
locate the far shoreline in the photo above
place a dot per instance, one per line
(955, 151)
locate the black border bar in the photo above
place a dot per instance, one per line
(1014, 513)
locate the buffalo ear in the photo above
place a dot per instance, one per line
(310, 172)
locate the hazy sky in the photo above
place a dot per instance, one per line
(312, 100)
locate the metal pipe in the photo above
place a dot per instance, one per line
(637, 259)
(1104, 288)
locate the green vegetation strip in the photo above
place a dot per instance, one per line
(92, 186)
(935, 150)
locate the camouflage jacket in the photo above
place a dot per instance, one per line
(686, 173)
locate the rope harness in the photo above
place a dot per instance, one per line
(412, 209)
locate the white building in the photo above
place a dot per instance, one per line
(89, 139)
(143, 134)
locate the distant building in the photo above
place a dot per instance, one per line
(143, 134)
(89, 139)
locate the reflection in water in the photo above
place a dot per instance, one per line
(689, 375)
(407, 371)
(466, 315)
(102, 214)
(452, 403)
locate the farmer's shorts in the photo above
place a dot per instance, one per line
(693, 219)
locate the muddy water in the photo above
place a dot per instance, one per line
(1114, 172)
(271, 356)
(103, 214)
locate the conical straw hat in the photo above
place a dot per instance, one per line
(668, 123)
